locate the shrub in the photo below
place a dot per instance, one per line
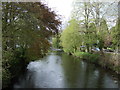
(6, 76)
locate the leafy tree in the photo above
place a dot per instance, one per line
(94, 12)
(26, 28)
(90, 37)
(56, 41)
(115, 31)
(82, 11)
(70, 37)
(102, 33)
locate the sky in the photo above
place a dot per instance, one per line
(64, 8)
(61, 7)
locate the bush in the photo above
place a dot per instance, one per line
(6, 76)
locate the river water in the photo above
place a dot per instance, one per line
(59, 70)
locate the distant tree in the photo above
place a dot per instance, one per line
(71, 38)
(96, 13)
(83, 10)
(115, 31)
(90, 37)
(56, 42)
(102, 33)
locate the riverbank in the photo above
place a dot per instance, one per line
(13, 73)
(106, 60)
(60, 70)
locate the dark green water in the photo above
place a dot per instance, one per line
(59, 70)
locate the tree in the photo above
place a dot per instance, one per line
(90, 37)
(56, 41)
(102, 33)
(83, 12)
(101, 16)
(27, 27)
(94, 13)
(115, 31)
(70, 37)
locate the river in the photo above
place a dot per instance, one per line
(59, 70)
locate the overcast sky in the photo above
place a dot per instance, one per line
(62, 7)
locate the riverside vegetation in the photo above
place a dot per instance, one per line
(28, 26)
(91, 38)
(26, 29)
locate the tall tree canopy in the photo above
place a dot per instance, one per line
(95, 18)
(26, 28)
(71, 38)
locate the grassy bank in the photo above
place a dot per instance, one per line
(14, 64)
(106, 60)
(87, 56)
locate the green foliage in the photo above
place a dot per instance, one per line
(70, 37)
(56, 43)
(115, 32)
(90, 35)
(89, 30)
(79, 54)
(26, 28)
(6, 77)
(87, 56)
(117, 69)
(94, 22)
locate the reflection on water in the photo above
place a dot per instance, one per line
(59, 70)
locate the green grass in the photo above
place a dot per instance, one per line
(87, 56)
